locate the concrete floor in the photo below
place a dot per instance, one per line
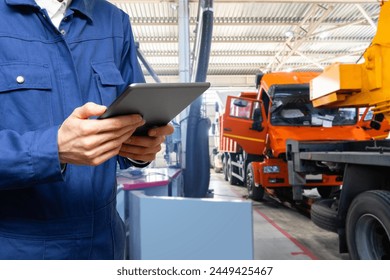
(280, 232)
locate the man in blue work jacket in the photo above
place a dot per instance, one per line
(61, 63)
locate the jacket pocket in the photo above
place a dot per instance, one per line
(108, 78)
(22, 75)
(25, 92)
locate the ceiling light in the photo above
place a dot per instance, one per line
(324, 35)
(289, 34)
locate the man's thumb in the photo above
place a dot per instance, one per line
(88, 110)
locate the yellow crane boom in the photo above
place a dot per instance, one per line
(360, 85)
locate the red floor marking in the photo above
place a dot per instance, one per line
(298, 253)
(305, 251)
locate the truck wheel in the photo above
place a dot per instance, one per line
(232, 180)
(255, 193)
(212, 161)
(368, 226)
(326, 192)
(225, 168)
(324, 214)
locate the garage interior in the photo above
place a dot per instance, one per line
(248, 37)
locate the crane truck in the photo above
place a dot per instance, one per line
(360, 213)
(255, 127)
(298, 133)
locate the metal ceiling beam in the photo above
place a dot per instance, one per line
(369, 19)
(300, 34)
(235, 54)
(357, 53)
(172, 67)
(338, 26)
(312, 61)
(222, 21)
(276, 60)
(259, 40)
(295, 1)
(147, 65)
(251, 1)
(217, 80)
(313, 25)
(184, 52)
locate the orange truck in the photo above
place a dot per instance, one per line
(255, 126)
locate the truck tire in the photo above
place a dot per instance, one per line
(326, 192)
(232, 180)
(213, 159)
(255, 193)
(324, 214)
(368, 226)
(225, 168)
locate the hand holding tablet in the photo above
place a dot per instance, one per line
(157, 103)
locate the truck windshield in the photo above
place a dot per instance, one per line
(292, 107)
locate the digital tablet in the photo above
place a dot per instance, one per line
(157, 103)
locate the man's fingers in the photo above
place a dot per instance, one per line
(145, 148)
(155, 148)
(91, 109)
(88, 110)
(95, 154)
(143, 141)
(89, 141)
(160, 131)
(112, 124)
(103, 157)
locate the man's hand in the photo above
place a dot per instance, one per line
(87, 141)
(145, 148)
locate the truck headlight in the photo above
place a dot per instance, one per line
(271, 169)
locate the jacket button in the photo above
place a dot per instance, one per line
(20, 79)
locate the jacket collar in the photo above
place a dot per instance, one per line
(84, 7)
(21, 3)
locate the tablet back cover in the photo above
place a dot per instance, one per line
(157, 103)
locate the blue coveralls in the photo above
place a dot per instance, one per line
(44, 75)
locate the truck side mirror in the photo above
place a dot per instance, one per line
(258, 78)
(257, 120)
(240, 103)
(376, 121)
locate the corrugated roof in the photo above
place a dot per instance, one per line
(249, 36)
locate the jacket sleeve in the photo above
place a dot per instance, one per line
(28, 159)
(131, 73)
